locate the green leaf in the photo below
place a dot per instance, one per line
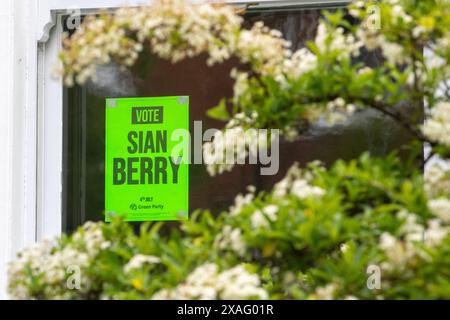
(219, 112)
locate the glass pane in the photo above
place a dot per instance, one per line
(84, 124)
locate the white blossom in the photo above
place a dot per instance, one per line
(240, 201)
(139, 260)
(398, 13)
(297, 182)
(441, 208)
(397, 252)
(435, 233)
(346, 44)
(437, 180)
(51, 262)
(234, 144)
(206, 283)
(344, 247)
(302, 61)
(174, 30)
(337, 111)
(401, 252)
(261, 218)
(302, 189)
(327, 292)
(437, 126)
(232, 239)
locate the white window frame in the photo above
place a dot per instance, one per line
(50, 101)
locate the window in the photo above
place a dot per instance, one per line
(84, 114)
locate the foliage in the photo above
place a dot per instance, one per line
(320, 230)
(303, 242)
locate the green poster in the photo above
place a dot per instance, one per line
(146, 169)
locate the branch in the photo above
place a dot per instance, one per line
(447, 88)
(397, 116)
(382, 107)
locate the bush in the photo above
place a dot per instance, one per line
(371, 228)
(297, 241)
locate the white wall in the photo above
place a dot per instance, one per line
(17, 129)
(6, 128)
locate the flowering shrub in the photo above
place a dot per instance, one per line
(312, 236)
(371, 228)
(282, 82)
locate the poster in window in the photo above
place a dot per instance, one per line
(146, 158)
